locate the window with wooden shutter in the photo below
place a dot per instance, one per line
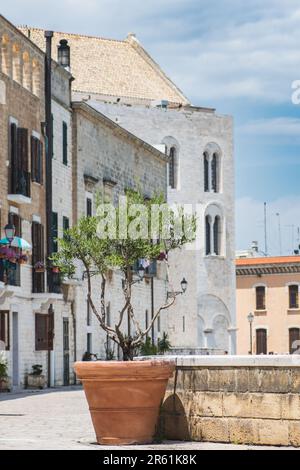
(44, 328)
(4, 329)
(260, 298)
(89, 207)
(65, 143)
(294, 296)
(36, 160)
(13, 159)
(38, 284)
(261, 341)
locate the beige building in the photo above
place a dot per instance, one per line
(268, 288)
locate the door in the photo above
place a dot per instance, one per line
(66, 351)
(294, 337)
(15, 350)
(261, 341)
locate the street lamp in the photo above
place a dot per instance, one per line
(141, 272)
(250, 320)
(183, 284)
(10, 231)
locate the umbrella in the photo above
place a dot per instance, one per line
(17, 242)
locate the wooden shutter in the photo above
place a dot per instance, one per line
(260, 298)
(65, 143)
(294, 337)
(261, 341)
(33, 158)
(37, 255)
(22, 137)
(89, 209)
(13, 158)
(41, 332)
(40, 162)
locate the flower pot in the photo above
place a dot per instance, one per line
(39, 270)
(36, 381)
(124, 398)
(4, 384)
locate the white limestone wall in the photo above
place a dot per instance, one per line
(209, 304)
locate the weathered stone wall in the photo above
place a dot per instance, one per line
(251, 401)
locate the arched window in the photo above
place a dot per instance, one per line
(35, 78)
(214, 173)
(211, 166)
(206, 172)
(16, 63)
(213, 230)
(217, 235)
(207, 235)
(26, 71)
(5, 54)
(172, 167)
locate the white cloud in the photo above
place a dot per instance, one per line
(250, 224)
(281, 126)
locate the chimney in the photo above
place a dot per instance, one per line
(63, 54)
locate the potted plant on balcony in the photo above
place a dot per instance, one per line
(22, 259)
(36, 379)
(124, 397)
(39, 267)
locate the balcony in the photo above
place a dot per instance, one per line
(20, 188)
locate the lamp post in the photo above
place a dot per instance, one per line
(250, 320)
(183, 284)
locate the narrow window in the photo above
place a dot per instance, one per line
(158, 324)
(214, 173)
(4, 329)
(38, 284)
(66, 225)
(89, 207)
(207, 235)
(54, 231)
(146, 319)
(36, 160)
(172, 167)
(261, 341)
(206, 172)
(294, 296)
(294, 340)
(216, 229)
(260, 298)
(65, 143)
(183, 324)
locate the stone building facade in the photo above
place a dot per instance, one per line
(120, 80)
(33, 326)
(107, 160)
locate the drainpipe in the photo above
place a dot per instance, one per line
(152, 309)
(49, 134)
(48, 178)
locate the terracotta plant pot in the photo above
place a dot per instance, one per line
(124, 398)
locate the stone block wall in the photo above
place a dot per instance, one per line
(253, 400)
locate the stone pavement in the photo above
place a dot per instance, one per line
(59, 419)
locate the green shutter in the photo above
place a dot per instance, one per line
(65, 143)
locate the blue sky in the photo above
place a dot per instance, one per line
(239, 57)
